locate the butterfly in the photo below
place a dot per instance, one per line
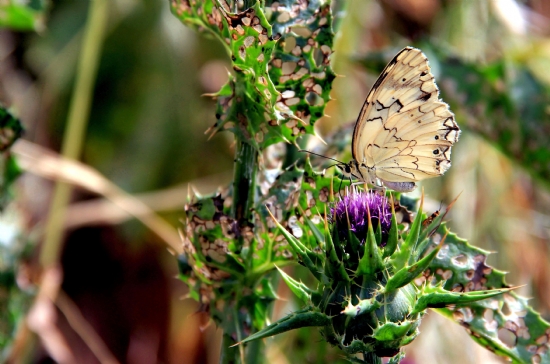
(404, 132)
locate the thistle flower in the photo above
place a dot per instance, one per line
(366, 300)
(351, 214)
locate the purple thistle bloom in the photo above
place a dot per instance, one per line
(353, 208)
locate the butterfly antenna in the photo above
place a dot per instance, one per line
(319, 155)
(334, 165)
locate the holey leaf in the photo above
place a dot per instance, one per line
(265, 107)
(300, 67)
(504, 324)
(246, 104)
(298, 200)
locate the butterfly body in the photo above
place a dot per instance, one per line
(404, 132)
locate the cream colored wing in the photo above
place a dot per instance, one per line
(404, 133)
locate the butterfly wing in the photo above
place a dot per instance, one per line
(404, 132)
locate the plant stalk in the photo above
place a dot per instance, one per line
(244, 185)
(77, 120)
(372, 358)
(244, 195)
(228, 354)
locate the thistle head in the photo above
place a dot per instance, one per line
(351, 213)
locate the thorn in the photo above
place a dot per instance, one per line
(213, 131)
(514, 287)
(321, 139)
(195, 191)
(297, 118)
(440, 245)
(451, 205)
(270, 214)
(210, 95)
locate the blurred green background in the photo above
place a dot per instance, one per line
(146, 135)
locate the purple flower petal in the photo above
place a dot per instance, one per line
(354, 208)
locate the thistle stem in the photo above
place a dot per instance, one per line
(228, 355)
(254, 352)
(244, 195)
(372, 358)
(292, 155)
(244, 183)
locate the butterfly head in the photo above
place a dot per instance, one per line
(356, 171)
(345, 168)
(365, 174)
(350, 170)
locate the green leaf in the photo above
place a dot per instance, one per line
(317, 234)
(22, 15)
(247, 103)
(406, 275)
(390, 331)
(300, 67)
(403, 257)
(279, 88)
(298, 288)
(304, 254)
(306, 317)
(397, 358)
(393, 236)
(335, 268)
(371, 261)
(438, 297)
(362, 307)
(505, 324)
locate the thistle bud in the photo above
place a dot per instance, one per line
(352, 211)
(366, 300)
(364, 319)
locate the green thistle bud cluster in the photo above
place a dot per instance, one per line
(374, 319)
(367, 301)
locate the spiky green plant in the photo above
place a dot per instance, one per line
(375, 279)
(279, 51)
(366, 301)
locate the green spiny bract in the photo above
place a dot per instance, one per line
(365, 317)
(366, 301)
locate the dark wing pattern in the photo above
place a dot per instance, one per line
(404, 132)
